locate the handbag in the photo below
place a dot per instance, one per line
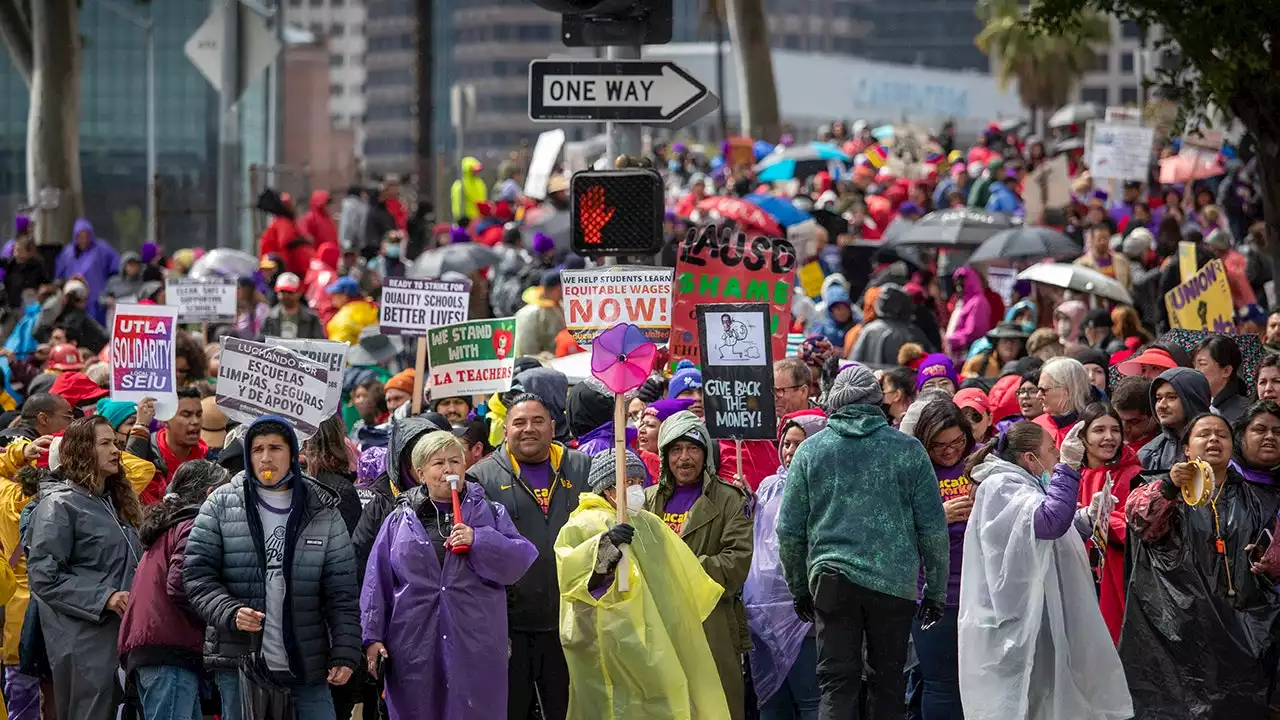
(262, 696)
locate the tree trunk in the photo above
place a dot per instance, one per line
(53, 140)
(757, 95)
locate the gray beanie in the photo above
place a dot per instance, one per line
(855, 385)
(603, 475)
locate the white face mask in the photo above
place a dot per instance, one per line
(635, 498)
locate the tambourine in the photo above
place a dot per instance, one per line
(1201, 488)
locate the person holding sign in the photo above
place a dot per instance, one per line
(177, 442)
(1200, 620)
(418, 580)
(642, 653)
(710, 516)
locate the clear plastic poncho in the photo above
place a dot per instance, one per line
(1032, 642)
(643, 653)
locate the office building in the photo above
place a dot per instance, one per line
(1118, 74)
(342, 24)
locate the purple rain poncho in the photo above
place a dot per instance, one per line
(95, 263)
(445, 629)
(776, 631)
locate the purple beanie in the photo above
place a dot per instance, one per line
(665, 408)
(149, 252)
(935, 366)
(458, 235)
(22, 224)
(372, 463)
(543, 243)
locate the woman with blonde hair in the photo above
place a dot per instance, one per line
(1064, 386)
(435, 592)
(83, 552)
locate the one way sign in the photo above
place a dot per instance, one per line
(637, 91)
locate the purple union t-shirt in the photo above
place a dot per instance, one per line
(676, 511)
(538, 477)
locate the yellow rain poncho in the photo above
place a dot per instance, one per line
(643, 653)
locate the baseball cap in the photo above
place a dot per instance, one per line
(64, 357)
(75, 287)
(972, 399)
(344, 286)
(1154, 357)
(288, 282)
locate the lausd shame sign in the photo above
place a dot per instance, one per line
(412, 306)
(597, 299)
(472, 358)
(723, 266)
(256, 379)
(202, 300)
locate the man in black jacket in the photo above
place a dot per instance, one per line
(290, 318)
(538, 480)
(42, 414)
(269, 554)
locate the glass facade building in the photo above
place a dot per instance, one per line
(113, 128)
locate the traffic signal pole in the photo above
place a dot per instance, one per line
(622, 138)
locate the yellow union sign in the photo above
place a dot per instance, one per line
(1203, 302)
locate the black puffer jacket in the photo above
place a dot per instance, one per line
(894, 326)
(533, 604)
(343, 485)
(404, 435)
(225, 569)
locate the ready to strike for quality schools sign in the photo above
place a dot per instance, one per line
(256, 379)
(472, 358)
(720, 266)
(142, 354)
(412, 306)
(737, 370)
(597, 299)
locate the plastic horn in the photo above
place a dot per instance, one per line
(454, 481)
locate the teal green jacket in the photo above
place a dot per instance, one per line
(862, 500)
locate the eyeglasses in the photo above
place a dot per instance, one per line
(957, 444)
(1028, 392)
(780, 391)
(1046, 391)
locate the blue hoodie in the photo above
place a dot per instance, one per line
(829, 328)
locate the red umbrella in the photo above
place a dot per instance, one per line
(745, 215)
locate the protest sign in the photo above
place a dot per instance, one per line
(256, 379)
(472, 358)
(715, 266)
(1120, 151)
(412, 306)
(1047, 188)
(1203, 302)
(597, 299)
(142, 356)
(737, 370)
(811, 278)
(1186, 260)
(202, 300)
(330, 355)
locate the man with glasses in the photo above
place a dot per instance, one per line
(760, 457)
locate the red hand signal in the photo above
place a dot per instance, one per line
(594, 214)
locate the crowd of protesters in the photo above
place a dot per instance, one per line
(980, 502)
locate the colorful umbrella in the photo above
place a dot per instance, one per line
(622, 358)
(780, 208)
(1251, 349)
(800, 161)
(1190, 166)
(747, 216)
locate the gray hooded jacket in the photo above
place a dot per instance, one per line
(1165, 449)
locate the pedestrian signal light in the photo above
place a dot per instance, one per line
(616, 212)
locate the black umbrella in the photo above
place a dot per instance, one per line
(1025, 241)
(959, 227)
(831, 221)
(261, 695)
(554, 226)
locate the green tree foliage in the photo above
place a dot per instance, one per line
(1046, 67)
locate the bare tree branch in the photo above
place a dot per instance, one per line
(15, 32)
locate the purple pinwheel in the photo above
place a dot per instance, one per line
(622, 358)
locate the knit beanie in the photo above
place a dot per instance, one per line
(542, 243)
(402, 381)
(603, 475)
(685, 378)
(665, 408)
(372, 463)
(934, 366)
(855, 385)
(116, 411)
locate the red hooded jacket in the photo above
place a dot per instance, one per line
(1111, 592)
(318, 225)
(282, 238)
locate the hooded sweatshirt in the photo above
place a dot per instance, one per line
(95, 264)
(318, 225)
(972, 318)
(1166, 449)
(830, 328)
(862, 500)
(553, 388)
(893, 327)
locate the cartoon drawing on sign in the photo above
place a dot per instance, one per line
(740, 342)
